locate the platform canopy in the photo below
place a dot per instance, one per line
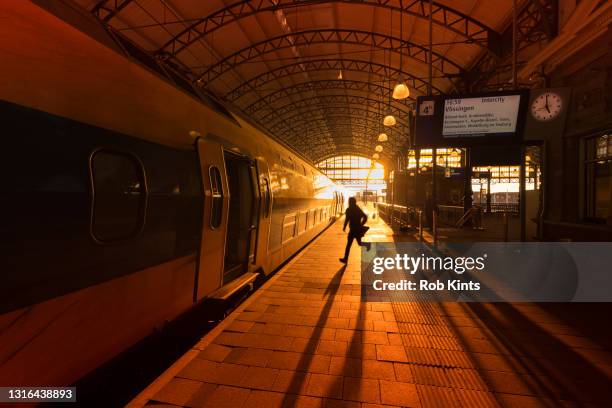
(316, 74)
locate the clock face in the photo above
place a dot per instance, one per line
(546, 106)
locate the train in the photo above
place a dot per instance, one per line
(130, 196)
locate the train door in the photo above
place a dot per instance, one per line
(265, 212)
(243, 217)
(209, 275)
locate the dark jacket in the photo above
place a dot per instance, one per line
(355, 218)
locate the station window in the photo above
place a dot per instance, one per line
(119, 196)
(354, 172)
(445, 157)
(216, 207)
(598, 171)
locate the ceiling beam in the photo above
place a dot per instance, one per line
(470, 29)
(362, 127)
(536, 25)
(384, 159)
(384, 92)
(321, 65)
(363, 135)
(318, 152)
(312, 140)
(105, 10)
(331, 112)
(441, 63)
(330, 101)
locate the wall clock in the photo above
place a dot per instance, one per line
(546, 106)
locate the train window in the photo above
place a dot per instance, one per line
(311, 218)
(216, 187)
(287, 164)
(119, 196)
(265, 192)
(289, 227)
(303, 222)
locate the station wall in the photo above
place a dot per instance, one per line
(569, 190)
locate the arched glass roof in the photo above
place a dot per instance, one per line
(319, 74)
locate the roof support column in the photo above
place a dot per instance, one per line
(434, 155)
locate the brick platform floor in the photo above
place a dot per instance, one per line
(305, 340)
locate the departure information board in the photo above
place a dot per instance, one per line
(474, 117)
(471, 120)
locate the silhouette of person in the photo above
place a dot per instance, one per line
(356, 219)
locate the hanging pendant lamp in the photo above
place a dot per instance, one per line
(389, 120)
(375, 156)
(401, 90)
(378, 148)
(383, 137)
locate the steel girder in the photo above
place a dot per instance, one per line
(396, 136)
(331, 112)
(316, 151)
(105, 10)
(331, 101)
(361, 134)
(536, 23)
(312, 140)
(319, 65)
(472, 30)
(323, 153)
(356, 116)
(384, 159)
(360, 127)
(268, 117)
(306, 143)
(286, 125)
(384, 92)
(320, 137)
(400, 135)
(417, 52)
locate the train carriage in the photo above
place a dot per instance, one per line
(129, 196)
